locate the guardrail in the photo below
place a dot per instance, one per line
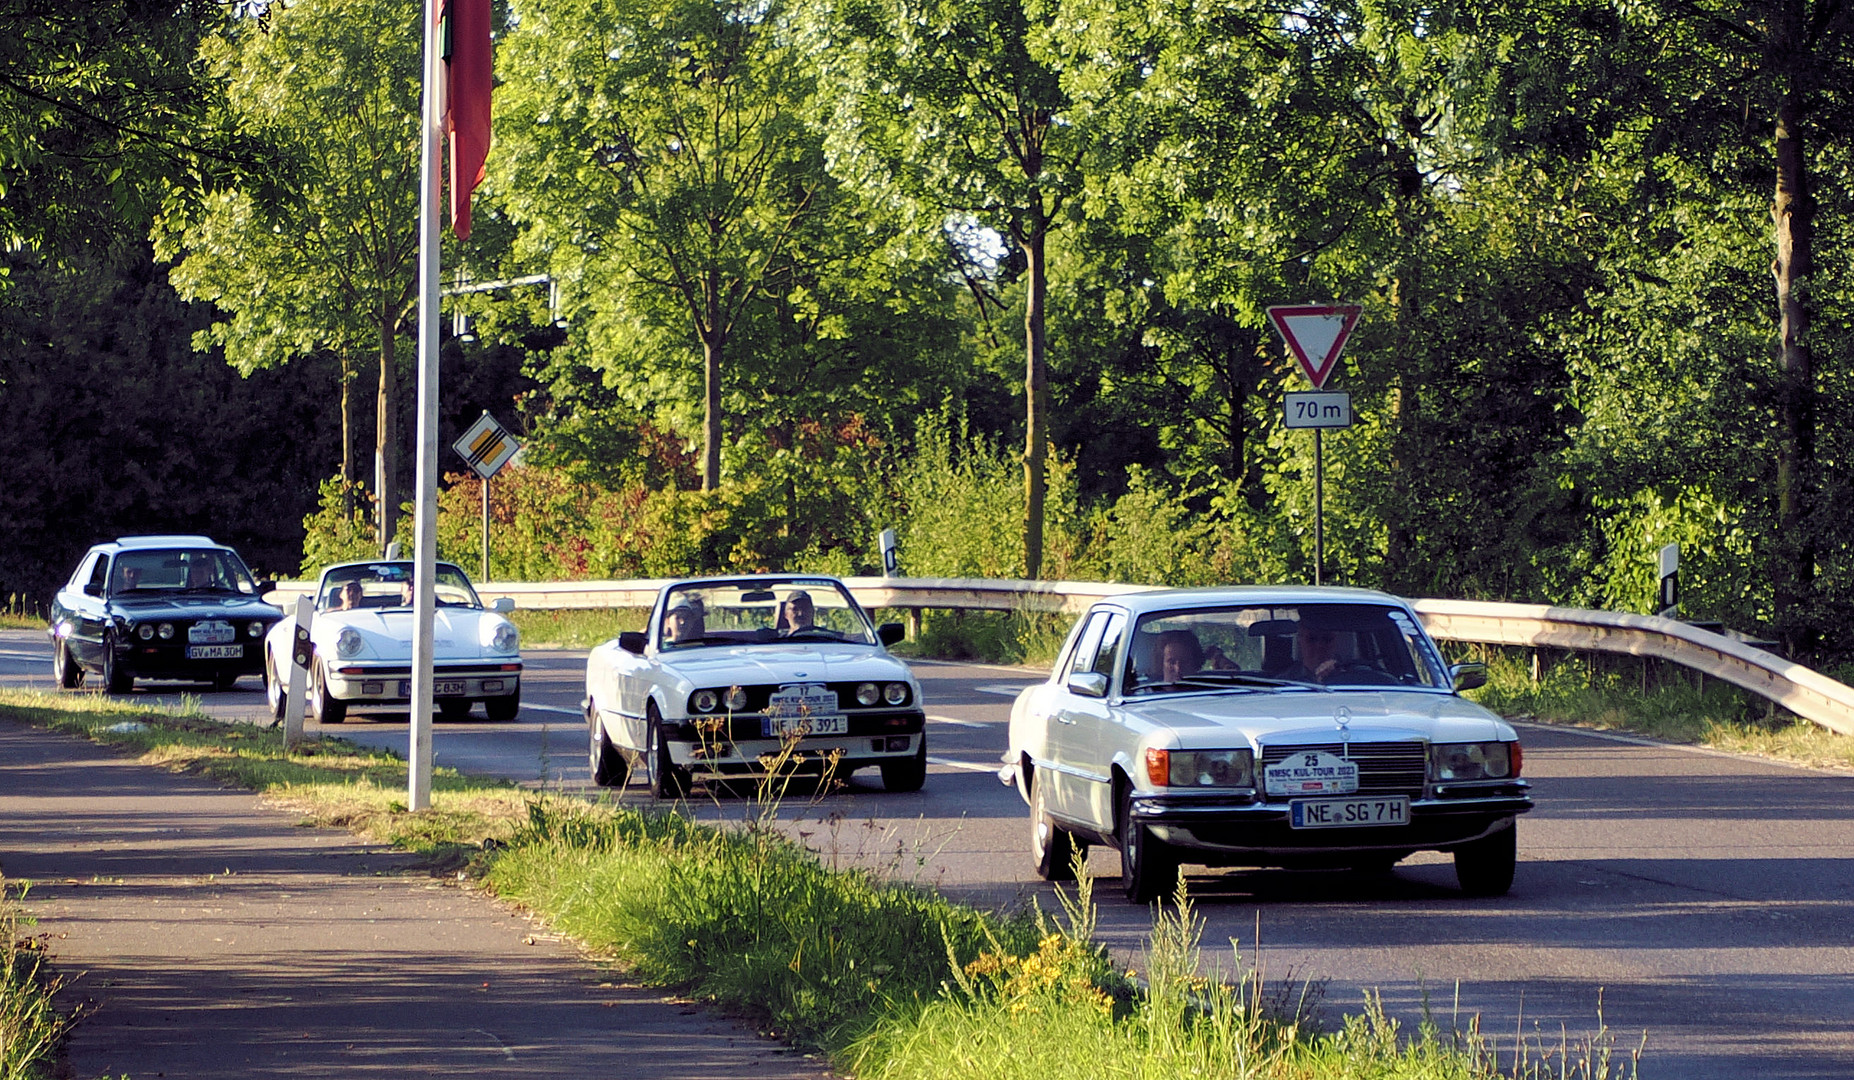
(1803, 691)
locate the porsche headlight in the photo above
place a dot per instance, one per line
(504, 638)
(349, 643)
(1474, 761)
(1201, 768)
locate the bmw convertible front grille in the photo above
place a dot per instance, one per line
(1384, 768)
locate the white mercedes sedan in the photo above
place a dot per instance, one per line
(738, 677)
(362, 640)
(1290, 727)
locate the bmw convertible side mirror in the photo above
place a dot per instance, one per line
(1468, 676)
(891, 632)
(503, 604)
(632, 642)
(1088, 683)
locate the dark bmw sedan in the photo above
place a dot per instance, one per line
(160, 607)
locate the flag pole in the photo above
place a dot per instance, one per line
(425, 532)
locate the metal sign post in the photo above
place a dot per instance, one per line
(1316, 334)
(487, 446)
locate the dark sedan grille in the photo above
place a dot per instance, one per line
(1398, 768)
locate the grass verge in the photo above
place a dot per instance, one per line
(31, 1027)
(891, 980)
(1599, 695)
(575, 628)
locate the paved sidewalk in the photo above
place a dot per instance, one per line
(216, 938)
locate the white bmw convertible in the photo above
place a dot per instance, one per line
(362, 641)
(735, 675)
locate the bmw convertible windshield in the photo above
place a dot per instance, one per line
(761, 611)
(1303, 645)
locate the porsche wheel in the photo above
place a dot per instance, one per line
(327, 708)
(276, 691)
(501, 710)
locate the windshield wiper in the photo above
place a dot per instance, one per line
(1221, 679)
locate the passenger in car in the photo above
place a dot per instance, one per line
(685, 620)
(795, 613)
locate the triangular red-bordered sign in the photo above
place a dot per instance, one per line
(1315, 334)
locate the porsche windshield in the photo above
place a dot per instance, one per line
(768, 611)
(1305, 645)
(389, 585)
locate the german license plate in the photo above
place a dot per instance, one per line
(215, 652)
(441, 688)
(1341, 813)
(774, 727)
(211, 632)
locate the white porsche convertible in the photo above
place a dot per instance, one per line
(362, 642)
(735, 676)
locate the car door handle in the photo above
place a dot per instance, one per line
(1065, 718)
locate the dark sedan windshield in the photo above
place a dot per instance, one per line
(1288, 644)
(172, 570)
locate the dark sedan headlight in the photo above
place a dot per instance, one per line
(1474, 761)
(145, 631)
(1201, 768)
(255, 630)
(166, 631)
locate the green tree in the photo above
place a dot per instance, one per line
(655, 154)
(322, 253)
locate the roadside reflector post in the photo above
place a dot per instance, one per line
(297, 682)
(1669, 592)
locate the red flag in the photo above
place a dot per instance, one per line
(467, 90)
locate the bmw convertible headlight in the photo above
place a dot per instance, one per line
(349, 643)
(895, 693)
(1201, 768)
(504, 638)
(1474, 761)
(704, 701)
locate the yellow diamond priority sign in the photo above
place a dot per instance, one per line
(487, 446)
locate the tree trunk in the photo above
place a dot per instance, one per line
(711, 375)
(1793, 213)
(1036, 392)
(385, 461)
(347, 438)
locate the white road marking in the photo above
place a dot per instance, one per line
(967, 765)
(39, 657)
(961, 723)
(551, 708)
(1003, 691)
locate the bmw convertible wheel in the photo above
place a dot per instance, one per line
(609, 767)
(1148, 865)
(1052, 847)
(667, 781)
(327, 708)
(1485, 867)
(116, 678)
(908, 774)
(69, 673)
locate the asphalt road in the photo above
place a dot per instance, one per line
(1699, 899)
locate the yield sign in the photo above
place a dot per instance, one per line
(1316, 334)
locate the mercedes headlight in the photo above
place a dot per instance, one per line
(1474, 761)
(1201, 768)
(349, 643)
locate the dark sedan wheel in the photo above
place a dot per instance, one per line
(1148, 865)
(1052, 847)
(1485, 867)
(225, 680)
(117, 679)
(609, 767)
(327, 708)
(68, 672)
(667, 781)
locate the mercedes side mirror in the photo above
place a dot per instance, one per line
(503, 604)
(1468, 676)
(889, 633)
(632, 642)
(1088, 683)
(91, 588)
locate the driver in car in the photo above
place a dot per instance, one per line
(685, 620)
(1318, 643)
(795, 613)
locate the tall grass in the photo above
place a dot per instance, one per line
(31, 1026)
